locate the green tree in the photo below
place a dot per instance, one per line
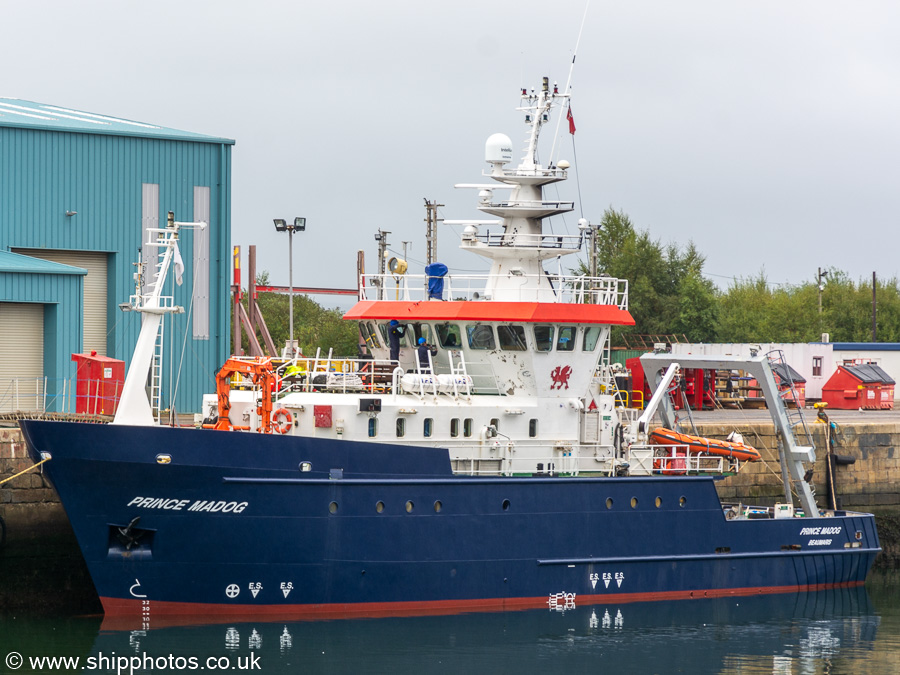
(315, 327)
(666, 290)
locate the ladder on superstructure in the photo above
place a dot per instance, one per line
(156, 365)
(156, 372)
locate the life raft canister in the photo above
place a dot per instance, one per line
(282, 420)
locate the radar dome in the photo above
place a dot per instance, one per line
(498, 149)
(563, 164)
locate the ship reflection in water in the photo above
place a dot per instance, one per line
(785, 633)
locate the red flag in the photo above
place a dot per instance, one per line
(571, 121)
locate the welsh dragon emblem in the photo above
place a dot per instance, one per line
(560, 377)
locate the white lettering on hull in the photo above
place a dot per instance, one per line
(180, 504)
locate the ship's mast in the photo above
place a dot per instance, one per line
(518, 253)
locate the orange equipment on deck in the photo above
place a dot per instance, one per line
(745, 453)
(262, 375)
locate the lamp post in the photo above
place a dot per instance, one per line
(298, 226)
(820, 283)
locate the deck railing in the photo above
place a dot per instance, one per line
(471, 287)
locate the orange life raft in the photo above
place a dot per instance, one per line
(745, 453)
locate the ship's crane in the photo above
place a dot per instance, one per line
(262, 375)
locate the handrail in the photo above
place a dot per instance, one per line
(571, 289)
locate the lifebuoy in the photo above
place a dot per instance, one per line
(282, 420)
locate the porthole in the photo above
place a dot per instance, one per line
(305, 467)
(333, 507)
(379, 507)
(682, 501)
(658, 502)
(410, 506)
(609, 502)
(438, 506)
(634, 502)
(505, 505)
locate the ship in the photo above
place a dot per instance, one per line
(484, 461)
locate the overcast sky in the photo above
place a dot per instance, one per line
(768, 132)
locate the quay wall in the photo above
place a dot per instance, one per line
(41, 568)
(871, 483)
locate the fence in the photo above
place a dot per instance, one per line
(40, 395)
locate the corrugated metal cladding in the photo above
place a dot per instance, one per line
(70, 191)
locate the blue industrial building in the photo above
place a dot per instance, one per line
(78, 192)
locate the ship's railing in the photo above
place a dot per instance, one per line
(530, 288)
(539, 172)
(571, 242)
(374, 376)
(680, 459)
(533, 204)
(526, 457)
(508, 457)
(335, 375)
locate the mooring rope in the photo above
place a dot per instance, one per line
(33, 466)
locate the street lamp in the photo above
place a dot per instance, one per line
(298, 226)
(820, 284)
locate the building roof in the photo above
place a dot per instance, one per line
(15, 112)
(15, 262)
(867, 346)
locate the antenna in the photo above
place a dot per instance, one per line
(569, 80)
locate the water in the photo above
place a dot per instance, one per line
(834, 631)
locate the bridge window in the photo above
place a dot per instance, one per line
(427, 427)
(449, 336)
(454, 427)
(591, 336)
(511, 338)
(480, 336)
(420, 330)
(543, 338)
(565, 341)
(369, 334)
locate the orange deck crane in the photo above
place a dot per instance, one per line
(262, 375)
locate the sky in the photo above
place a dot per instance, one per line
(766, 132)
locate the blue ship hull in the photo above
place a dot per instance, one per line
(249, 524)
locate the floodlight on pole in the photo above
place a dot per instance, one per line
(299, 225)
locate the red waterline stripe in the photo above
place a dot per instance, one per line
(125, 614)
